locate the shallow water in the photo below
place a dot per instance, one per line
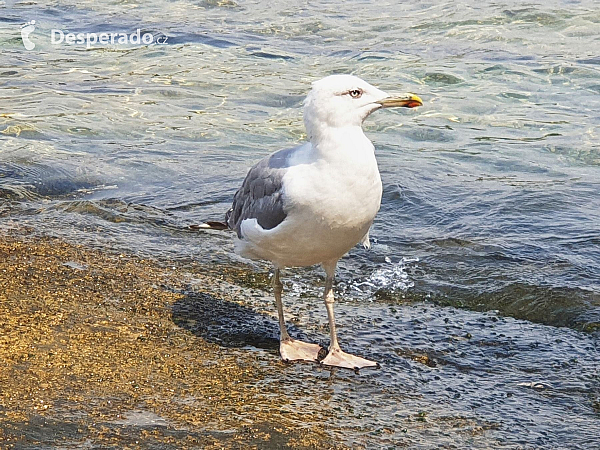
(491, 189)
(449, 378)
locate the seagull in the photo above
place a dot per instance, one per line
(311, 204)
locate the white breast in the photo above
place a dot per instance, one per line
(331, 203)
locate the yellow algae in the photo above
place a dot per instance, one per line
(88, 345)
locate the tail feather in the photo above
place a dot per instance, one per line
(210, 225)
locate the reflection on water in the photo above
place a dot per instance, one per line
(491, 189)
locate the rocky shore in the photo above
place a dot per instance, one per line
(92, 354)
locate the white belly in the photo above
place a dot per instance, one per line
(329, 213)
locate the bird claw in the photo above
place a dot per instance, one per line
(294, 350)
(338, 358)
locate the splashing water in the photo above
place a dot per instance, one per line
(392, 278)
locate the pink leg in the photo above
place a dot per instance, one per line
(336, 357)
(291, 349)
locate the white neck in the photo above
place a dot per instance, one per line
(341, 143)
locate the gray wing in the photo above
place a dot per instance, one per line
(261, 196)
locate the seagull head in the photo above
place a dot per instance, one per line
(345, 100)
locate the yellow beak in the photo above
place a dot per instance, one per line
(405, 100)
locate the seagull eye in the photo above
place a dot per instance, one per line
(355, 93)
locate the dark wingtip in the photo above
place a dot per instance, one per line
(210, 225)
